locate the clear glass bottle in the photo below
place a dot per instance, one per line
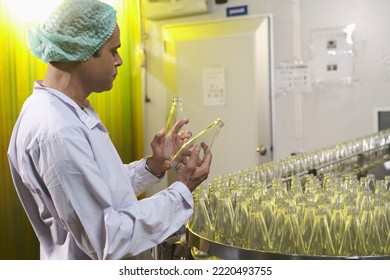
(276, 228)
(380, 217)
(337, 224)
(241, 220)
(291, 239)
(257, 234)
(371, 236)
(320, 243)
(308, 222)
(176, 114)
(352, 241)
(224, 220)
(204, 139)
(268, 209)
(200, 221)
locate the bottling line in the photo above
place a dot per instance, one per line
(330, 203)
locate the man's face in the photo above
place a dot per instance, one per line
(99, 72)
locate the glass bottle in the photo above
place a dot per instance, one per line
(200, 221)
(301, 206)
(324, 201)
(291, 239)
(213, 198)
(380, 217)
(320, 243)
(176, 114)
(308, 222)
(371, 237)
(268, 209)
(241, 218)
(337, 224)
(224, 220)
(276, 228)
(257, 234)
(204, 139)
(352, 241)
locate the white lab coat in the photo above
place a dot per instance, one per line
(79, 196)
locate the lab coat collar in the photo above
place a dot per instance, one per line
(90, 120)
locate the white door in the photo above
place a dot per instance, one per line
(221, 69)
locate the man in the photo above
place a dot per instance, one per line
(80, 198)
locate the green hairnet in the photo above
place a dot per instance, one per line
(73, 32)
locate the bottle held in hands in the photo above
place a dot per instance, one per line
(204, 139)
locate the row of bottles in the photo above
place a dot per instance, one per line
(283, 207)
(343, 158)
(337, 217)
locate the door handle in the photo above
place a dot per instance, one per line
(262, 150)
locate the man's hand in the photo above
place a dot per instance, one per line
(194, 170)
(174, 139)
(158, 162)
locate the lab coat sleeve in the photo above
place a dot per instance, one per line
(139, 177)
(102, 227)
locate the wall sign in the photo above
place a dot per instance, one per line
(292, 77)
(333, 54)
(214, 86)
(237, 11)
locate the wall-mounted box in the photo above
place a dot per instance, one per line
(164, 9)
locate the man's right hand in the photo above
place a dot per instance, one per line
(194, 170)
